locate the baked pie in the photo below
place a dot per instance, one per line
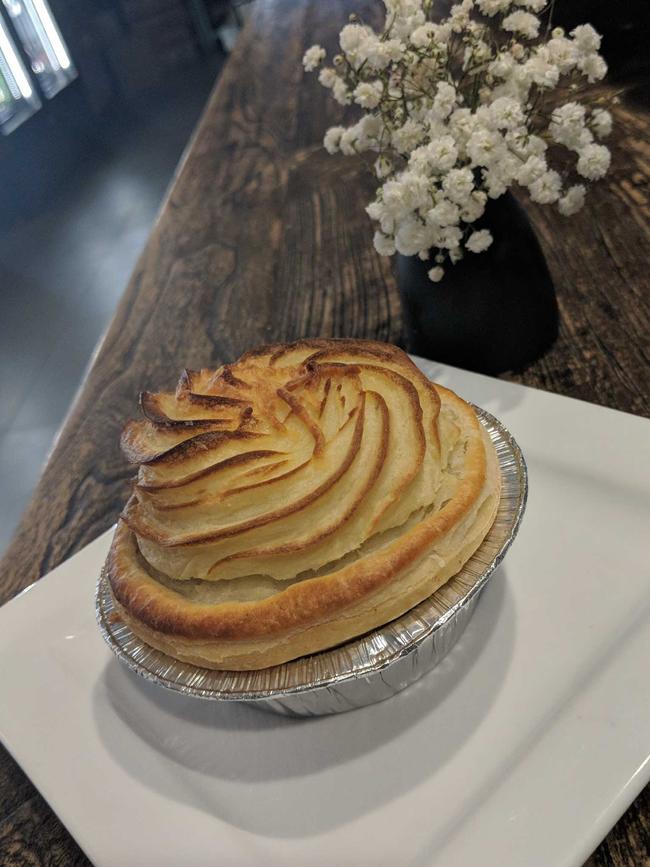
(294, 500)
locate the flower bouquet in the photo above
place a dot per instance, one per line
(456, 113)
(459, 111)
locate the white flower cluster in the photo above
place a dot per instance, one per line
(458, 112)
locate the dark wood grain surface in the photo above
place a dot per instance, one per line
(263, 237)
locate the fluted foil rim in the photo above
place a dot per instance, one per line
(362, 657)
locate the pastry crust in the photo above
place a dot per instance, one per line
(294, 500)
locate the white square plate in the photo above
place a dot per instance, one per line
(522, 748)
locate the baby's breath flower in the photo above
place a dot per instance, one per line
(572, 201)
(601, 122)
(380, 54)
(458, 18)
(450, 237)
(423, 35)
(420, 160)
(484, 147)
(445, 213)
(411, 237)
(313, 57)
(327, 77)
(523, 23)
(368, 93)
(506, 113)
(479, 241)
(394, 49)
(546, 188)
(534, 146)
(416, 189)
(405, 194)
(462, 123)
(594, 161)
(567, 125)
(586, 38)
(481, 52)
(408, 136)
(341, 92)
(502, 65)
(474, 207)
(442, 153)
(593, 67)
(496, 182)
(351, 37)
(540, 70)
(384, 245)
(409, 19)
(531, 170)
(348, 141)
(444, 100)
(493, 7)
(375, 210)
(458, 184)
(443, 33)
(332, 139)
(436, 274)
(563, 53)
(368, 130)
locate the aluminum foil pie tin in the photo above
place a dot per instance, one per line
(364, 671)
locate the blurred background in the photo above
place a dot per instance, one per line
(98, 99)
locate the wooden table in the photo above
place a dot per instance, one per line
(263, 237)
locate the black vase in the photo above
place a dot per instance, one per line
(492, 311)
